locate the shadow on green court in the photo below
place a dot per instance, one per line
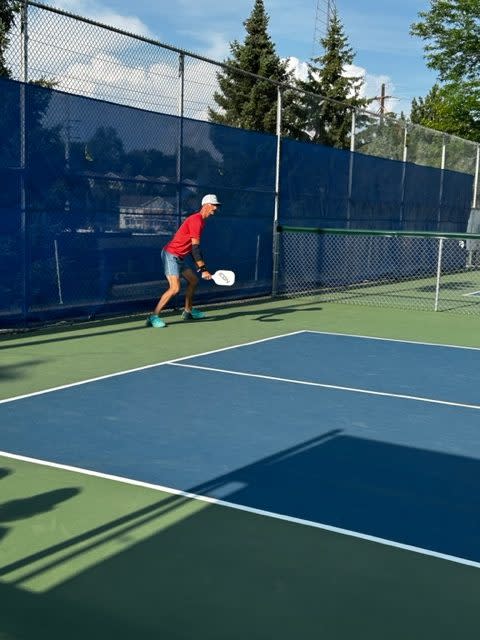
(452, 286)
(23, 508)
(200, 570)
(11, 371)
(27, 507)
(225, 574)
(72, 332)
(80, 332)
(4, 472)
(276, 315)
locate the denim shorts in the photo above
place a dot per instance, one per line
(173, 265)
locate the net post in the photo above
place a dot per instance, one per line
(276, 232)
(439, 272)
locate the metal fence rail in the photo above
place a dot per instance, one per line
(407, 270)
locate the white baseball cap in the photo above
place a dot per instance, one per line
(210, 198)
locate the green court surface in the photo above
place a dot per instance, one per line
(86, 556)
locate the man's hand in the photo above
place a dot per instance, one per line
(206, 275)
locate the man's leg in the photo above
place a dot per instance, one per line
(190, 313)
(171, 265)
(173, 289)
(192, 281)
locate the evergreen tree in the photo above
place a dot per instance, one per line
(245, 101)
(327, 118)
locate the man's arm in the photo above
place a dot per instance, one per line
(198, 258)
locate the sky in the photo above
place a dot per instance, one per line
(379, 34)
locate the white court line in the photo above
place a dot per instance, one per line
(329, 386)
(427, 344)
(473, 293)
(244, 508)
(147, 366)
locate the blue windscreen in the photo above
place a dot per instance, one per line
(92, 191)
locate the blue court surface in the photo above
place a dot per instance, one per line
(376, 438)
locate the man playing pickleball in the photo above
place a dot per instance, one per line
(184, 243)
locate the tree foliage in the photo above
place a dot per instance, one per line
(8, 10)
(326, 115)
(453, 108)
(451, 30)
(382, 137)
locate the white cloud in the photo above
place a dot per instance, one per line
(371, 86)
(297, 67)
(95, 11)
(215, 45)
(218, 48)
(154, 87)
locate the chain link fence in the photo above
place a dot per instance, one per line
(414, 271)
(81, 56)
(95, 158)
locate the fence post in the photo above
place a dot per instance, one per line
(276, 235)
(442, 177)
(24, 239)
(439, 272)
(350, 165)
(476, 179)
(404, 174)
(181, 107)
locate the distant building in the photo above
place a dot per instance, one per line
(147, 214)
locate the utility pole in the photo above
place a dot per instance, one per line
(382, 98)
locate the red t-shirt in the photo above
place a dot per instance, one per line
(181, 243)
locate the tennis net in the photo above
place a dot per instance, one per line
(409, 269)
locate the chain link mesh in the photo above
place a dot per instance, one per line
(87, 58)
(80, 57)
(404, 271)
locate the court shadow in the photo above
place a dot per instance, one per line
(449, 286)
(221, 573)
(28, 507)
(268, 315)
(14, 371)
(71, 333)
(4, 472)
(411, 496)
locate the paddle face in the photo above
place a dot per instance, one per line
(223, 278)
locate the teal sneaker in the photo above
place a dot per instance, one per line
(194, 314)
(156, 322)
